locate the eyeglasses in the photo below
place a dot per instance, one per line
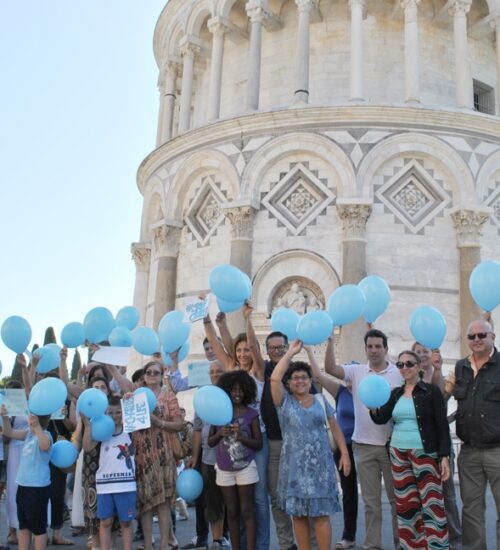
(153, 373)
(407, 364)
(480, 335)
(300, 377)
(276, 348)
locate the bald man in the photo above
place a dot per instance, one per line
(477, 391)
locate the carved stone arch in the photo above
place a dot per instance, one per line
(153, 209)
(208, 161)
(174, 38)
(202, 10)
(313, 274)
(168, 33)
(298, 142)
(422, 146)
(223, 7)
(487, 171)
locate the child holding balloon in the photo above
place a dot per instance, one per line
(33, 479)
(236, 443)
(115, 478)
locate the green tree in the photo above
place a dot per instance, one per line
(50, 336)
(76, 365)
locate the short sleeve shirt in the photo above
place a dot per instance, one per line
(365, 430)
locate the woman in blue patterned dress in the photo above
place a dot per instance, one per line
(307, 484)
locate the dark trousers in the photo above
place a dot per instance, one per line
(201, 521)
(57, 492)
(349, 486)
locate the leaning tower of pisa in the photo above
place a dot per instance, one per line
(310, 142)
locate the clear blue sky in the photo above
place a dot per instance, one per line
(79, 105)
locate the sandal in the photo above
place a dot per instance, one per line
(62, 542)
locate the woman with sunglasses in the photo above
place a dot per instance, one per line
(419, 449)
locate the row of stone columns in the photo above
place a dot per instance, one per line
(308, 11)
(155, 295)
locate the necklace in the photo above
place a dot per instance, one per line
(303, 400)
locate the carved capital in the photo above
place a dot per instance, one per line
(469, 225)
(141, 254)
(258, 13)
(189, 49)
(460, 7)
(354, 217)
(307, 5)
(168, 76)
(241, 218)
(409, 4)
(216, 26)
(166, 239)
(360, 3)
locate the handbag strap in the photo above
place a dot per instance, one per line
(320, 398)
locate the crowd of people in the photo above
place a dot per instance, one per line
(283, 453)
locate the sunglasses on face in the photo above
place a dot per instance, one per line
(153, 373)
(407, 364)
(480, 335)
(276, 348)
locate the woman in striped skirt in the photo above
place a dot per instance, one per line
(419, 449)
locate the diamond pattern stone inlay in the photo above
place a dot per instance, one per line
(493, 201)
(413, 196)
(204, 214)
(298, 198)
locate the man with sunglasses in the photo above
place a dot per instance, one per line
(477, 392)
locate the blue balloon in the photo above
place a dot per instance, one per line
(248, 283)
(428, 326)
(346, 305)
(72, 335)
(128, 317)
(120, 337)
(47, 396)
(228, 307)
(150, 396)
(92, 402)
(145, 340)
(213, 405)
(377, 294)
(102, 427)
(173, 331)
(484, 285)
(97, 325)
(314, 327)
(49, 358)
(374, 391)
(63, 454)
(189, 484)
(285, 320)
(183, 353)
(228, 283)
(16, 333)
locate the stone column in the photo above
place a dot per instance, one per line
(188, 51)
(241, 218)
(354, 216)
(463, 81)
(166, 84)
(141, 254)
(412, 58)
(166, 240)
(218, 30)
(469, 226)
(302, 78)
(256, 13)
(357, 15)
(497, 41)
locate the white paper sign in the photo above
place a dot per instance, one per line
(112, 355)
(196, 309)
(16, 402)
(135, 413)
(58, 415)
(199, 373)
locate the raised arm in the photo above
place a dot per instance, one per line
(280, 370)
(227, 339)
(44, 441)
(437, 374)
(125, 384)
(330, 365)
(219, 351)
(259, 365)
(21, 360)
(7, 427)
(325, 380)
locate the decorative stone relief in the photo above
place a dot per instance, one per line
(141, 254)
(205, 215)
(413, 196)
(493, 202)
(241, 218)
(469, 225)
(166, 239)
(354, 217)
(298, 198)
(299, 294)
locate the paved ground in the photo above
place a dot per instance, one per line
(186, 529)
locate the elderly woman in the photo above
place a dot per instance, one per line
(307, 485)
(419, 449)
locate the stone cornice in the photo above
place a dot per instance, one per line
(318, 119)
